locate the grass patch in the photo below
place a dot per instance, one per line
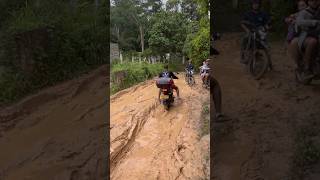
(135, 73)
(307, 151)
(205, 120)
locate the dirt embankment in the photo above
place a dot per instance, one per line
(58, 133)
(267, 115)
(148, 142)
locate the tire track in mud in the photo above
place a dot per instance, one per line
(120, 152)
(60, 129)
(149, 143)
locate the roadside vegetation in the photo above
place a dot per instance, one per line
(46, 42)
(151, 34)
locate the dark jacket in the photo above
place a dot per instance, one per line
(167, 74)
(189, 67)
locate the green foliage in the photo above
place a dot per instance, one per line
(307, 151)
(278, 11)
(197, 44)
(228, 19)
(77, 42)
(168, 32)
(128, 17)
(13, 86)
(136, 72)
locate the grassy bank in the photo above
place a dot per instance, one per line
(307, 152)
(46, 42)
(134, 73)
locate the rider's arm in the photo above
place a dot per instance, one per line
(159, 94)
(304, 21)
(173, 76)
(267, 21)
(244, 27)
(244, 22)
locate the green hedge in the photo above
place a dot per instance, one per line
(136, 72)
(78, 42)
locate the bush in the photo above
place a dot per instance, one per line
(77, 42)
(136, 72)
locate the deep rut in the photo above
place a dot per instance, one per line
(149, 143)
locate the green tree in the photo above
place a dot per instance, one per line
(126, 12)
(168, 32)
(189, 8)
(197, 44)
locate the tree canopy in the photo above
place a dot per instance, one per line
(177, 27)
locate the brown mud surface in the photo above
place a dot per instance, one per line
(58, 133)
(148, 142)
(259, 143)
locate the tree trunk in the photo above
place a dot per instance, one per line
(96, 3)
(37, 3)
(73, 5)
(118, 37)
(121, 58)
(141, 38)
(235, 4)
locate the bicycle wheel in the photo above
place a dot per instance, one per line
(259, 63)
(192, 80)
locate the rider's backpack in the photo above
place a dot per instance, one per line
(164, 83)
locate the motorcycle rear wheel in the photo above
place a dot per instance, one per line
(300, 80)
(259, 63)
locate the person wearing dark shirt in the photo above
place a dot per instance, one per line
(254, 18)
(168, 74)
(189, 66)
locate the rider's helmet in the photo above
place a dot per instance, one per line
(256, 2)
(207, 61)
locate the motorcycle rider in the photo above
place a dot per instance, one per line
(254, 17)
(291, 20)
(169, 74)
(203, 70)
(189, 66)
(306, 44)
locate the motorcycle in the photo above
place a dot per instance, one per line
(315, 65)
(166, 97)
(256, 52)
(206, 83)
(189, 77)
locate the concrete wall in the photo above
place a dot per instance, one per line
(114, 51)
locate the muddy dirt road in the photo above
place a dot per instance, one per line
(149, 143)
(260, 141)
(58, 133)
